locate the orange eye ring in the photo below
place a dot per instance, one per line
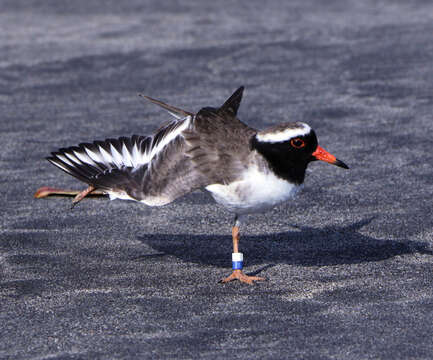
(297, 143)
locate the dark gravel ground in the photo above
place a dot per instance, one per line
(349, 262)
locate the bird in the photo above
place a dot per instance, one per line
(244, 169)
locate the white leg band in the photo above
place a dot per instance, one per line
(237, 257)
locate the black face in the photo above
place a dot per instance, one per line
(288, 159)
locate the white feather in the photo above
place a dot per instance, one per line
(136, 156)
(73, 158)
(117, 157)
(119, 195)
(94, 156)
(284, 135)
(168, 138)
(84, 158)
(256, 192)
(60, 165)
(105, 155)
(127, 160)
(65, 160)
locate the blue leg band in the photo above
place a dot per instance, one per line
(237, 265)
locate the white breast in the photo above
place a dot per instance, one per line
(256, 192)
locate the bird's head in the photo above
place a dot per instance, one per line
(292, 146)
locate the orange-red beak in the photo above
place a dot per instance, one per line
(323, 155)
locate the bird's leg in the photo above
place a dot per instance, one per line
(50, 191)
(80, 196)
(237, 261)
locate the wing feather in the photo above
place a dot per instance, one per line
(138, 166)
(189, 153)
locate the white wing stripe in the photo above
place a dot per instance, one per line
(117, 157)
(84, 158)
(136, 156)
(142, 152)
(126, 156)
(95, 157)
(108, 159)
(61, 166)
(73, 158)
(167, 139)
(65, 160)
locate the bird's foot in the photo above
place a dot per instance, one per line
(239, 275)
(80, 196)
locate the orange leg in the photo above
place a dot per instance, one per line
(80, 196)
(46, 191)
(238, 274)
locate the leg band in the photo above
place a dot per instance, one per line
(237, 261)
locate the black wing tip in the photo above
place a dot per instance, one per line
(54, 156)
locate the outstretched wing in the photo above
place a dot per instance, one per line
(152, 169)
(187, 154)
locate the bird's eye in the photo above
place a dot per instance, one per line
(297, 143)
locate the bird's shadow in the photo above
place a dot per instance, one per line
(307, 246)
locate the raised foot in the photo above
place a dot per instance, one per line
(239, 275)
(46, 191)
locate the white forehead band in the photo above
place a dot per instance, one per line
(284, 135)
